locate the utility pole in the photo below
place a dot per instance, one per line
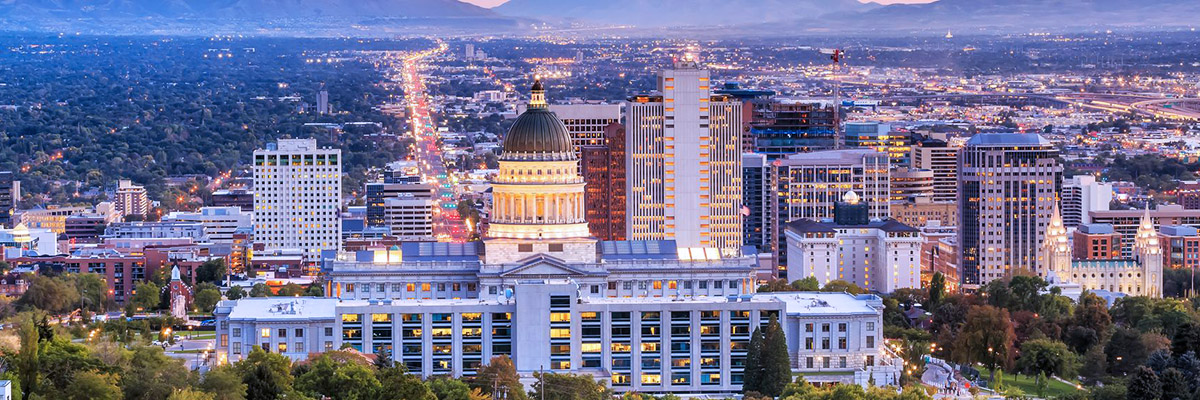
(542, 378)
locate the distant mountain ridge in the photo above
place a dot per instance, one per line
(660, 13)
(262, 9)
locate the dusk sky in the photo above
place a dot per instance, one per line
(493, 3)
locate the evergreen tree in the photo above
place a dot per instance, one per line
(1186, 339)
(1175, 385)
(776, 363)
(1144, 385)
(753, 375)
(937, 289)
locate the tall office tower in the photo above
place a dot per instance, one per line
(10, 193)
(808, 186)
(881, 137)
(585, 122)
(937, 156)
(1010, 184)
(684, 163)
(908, 183)
(603, 169)
(1081, 195)
(757, 200)
(131, 199)
(297, 197)
(323, 102)
(469, 52)
(784, 127)
(404, 206)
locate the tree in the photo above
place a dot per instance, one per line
(338, 378)
(1186, 339)
(90, 385)
(937, 289)
(1092, 313)
(777, 366)
(500, 375)
(1144, 385)
(398, 384)
(290, 289)
(1175, 385)
(808, 284)
(28, 361)
(50, 294)
(568, 387)
(146, 297)
(1127, 349)
(1046, 357)
(224, 384)
(753, 375)
(206, 298)
(212, 271)
(986, 337)
(446, 388)
(235, 293)
(839, 286)
(267, 375)
(260, 290)
(93, 292)
(189, 394)
(153, 375)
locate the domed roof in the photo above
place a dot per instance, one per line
(537, 134)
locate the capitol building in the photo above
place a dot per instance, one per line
(646, 316)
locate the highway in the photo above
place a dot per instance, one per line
(427, 151)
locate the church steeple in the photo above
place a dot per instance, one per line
(1056, 248)
(1148, 251)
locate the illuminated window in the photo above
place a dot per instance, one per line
(651, 379)
(266, 332)
(560, 317)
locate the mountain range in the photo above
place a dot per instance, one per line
(661, 13)
(659, 17)
(265, 9)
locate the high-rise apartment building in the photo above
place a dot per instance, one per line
(808, 185)
(881, 137)
(758, 201)
(10, 193)
(603, 170)
(1010, 183)
(323, 102)
(941, 158)
(131, 199)
(683, 163)
(297, 197)
(1081, 195)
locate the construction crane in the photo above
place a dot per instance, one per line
(836, 55)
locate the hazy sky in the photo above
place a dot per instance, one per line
(493, 3)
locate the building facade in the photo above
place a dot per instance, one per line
(297, 197)
(806, 186)
(941, 158)
(603, 170)
(1126, 222)
(1010, 184)
(758, 200)
(879, 137)
(1181, 246)
(878, 255)
(219, 223)
(1140, 275)
(1081, 195)
(683, 165)
(10, 194)
(405, 207)
(131, 199)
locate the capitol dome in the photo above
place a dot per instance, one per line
(538, 134)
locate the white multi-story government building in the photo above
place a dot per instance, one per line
(647, 316)
(879, 255)
(297, 197)
(684, 162)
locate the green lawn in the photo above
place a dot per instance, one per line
(1026, 384)
(193, 351)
